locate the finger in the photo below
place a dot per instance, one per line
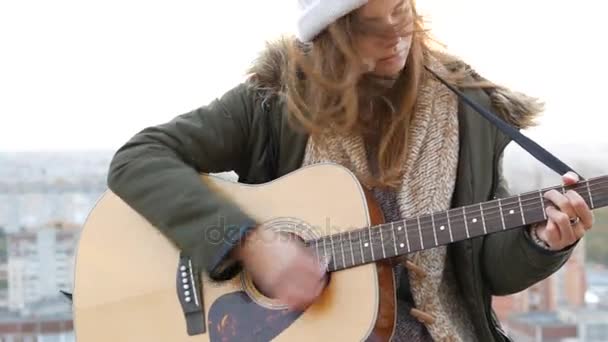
(304, 270)
(562, 221)
(302, 295)
(570, 178)
(549, 233)
(305, 273)
(581, 208)
(579, 231)
(294, 297)
(561, 201)
(295, 303)
(312, 283)
(316, 268)
(320, 287)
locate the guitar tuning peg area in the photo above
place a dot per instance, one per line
(185, 278)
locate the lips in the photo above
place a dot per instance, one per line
(392, 57)
(401, 48)
(397, 55)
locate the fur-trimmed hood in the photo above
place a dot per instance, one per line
(518, 109)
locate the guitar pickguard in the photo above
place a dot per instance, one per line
(236, 317)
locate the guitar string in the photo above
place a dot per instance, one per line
(389, 228)
(494, 213)
(354, 253)
(474, 209)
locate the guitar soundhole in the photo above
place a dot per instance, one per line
(290, 230)
(259, 293)
(259, 289)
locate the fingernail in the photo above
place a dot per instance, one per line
(572, 175)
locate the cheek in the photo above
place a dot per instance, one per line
(406, 44)
(367, 48)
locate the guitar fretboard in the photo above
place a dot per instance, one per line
(370, 244)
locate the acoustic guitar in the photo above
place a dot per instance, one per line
(139, 287)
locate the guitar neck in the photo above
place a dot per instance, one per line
(371, 244)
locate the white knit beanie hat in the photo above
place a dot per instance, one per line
(315, 15)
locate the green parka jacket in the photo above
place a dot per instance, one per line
(247, 131)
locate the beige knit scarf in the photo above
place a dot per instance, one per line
(427, 186)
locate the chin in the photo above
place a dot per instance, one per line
(388, 72)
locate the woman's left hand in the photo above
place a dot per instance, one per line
(567, 223)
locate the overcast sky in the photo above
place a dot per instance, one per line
(89, 74)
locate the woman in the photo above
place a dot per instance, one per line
(353, 89)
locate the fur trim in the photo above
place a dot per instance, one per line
(267, 72)
(520, 110)
(516, 108)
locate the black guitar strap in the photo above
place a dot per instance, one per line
(526, 143)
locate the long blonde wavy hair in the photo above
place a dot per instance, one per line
(328, 88)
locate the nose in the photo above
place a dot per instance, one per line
(393, 34)
(392, 42)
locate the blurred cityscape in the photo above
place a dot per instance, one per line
(45, 198)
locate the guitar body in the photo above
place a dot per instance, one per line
(125, 277)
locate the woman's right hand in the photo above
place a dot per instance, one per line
(282, 268)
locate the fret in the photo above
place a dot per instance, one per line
(457, 225)
(412, 232)
(382, 242)
(407, 238)
(401, 226)
(466, 224)
(319, 256)
(502, 216)
(328, 259)
(521, 210)
(371, 245)
(389, 242)
(441, 228)
(475, 228)
(542, 202)
(361, 246)
(534, 210)
(333, 251)
(512, 212)
(342, 248)
(366, 246)
(402, 245)
(394, 238)
(420, 231)
(434, 230)
(429, 235)
(411, 238)
(352, 252)
(491, 217)
(447, 215)
(592, 206)
(483, 220)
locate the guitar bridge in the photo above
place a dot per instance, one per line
(189, 293)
